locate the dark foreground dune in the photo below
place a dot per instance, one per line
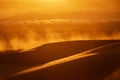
(96, 67)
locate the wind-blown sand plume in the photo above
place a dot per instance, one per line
(1, 46)
(62, 60)
(33, 35)
(31, 38)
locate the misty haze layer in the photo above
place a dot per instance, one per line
(32, 35)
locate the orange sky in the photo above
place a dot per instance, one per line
(16, 7)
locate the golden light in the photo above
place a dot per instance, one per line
(52, 1)
(17, 7)
(54, 6)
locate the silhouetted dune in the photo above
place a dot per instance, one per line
(49, 52)
(95, 67)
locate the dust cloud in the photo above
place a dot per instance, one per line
(25, 37)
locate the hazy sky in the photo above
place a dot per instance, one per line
(10, 36)
(16, 7)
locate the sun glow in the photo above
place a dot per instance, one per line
(10, 8)
(53, 6)
(52, 1)
(55, 3)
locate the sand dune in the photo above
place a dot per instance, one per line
(94, 67)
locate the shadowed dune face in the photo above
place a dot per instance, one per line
(95, 67)
(114, 76)
(1, 78)
(50, 52)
